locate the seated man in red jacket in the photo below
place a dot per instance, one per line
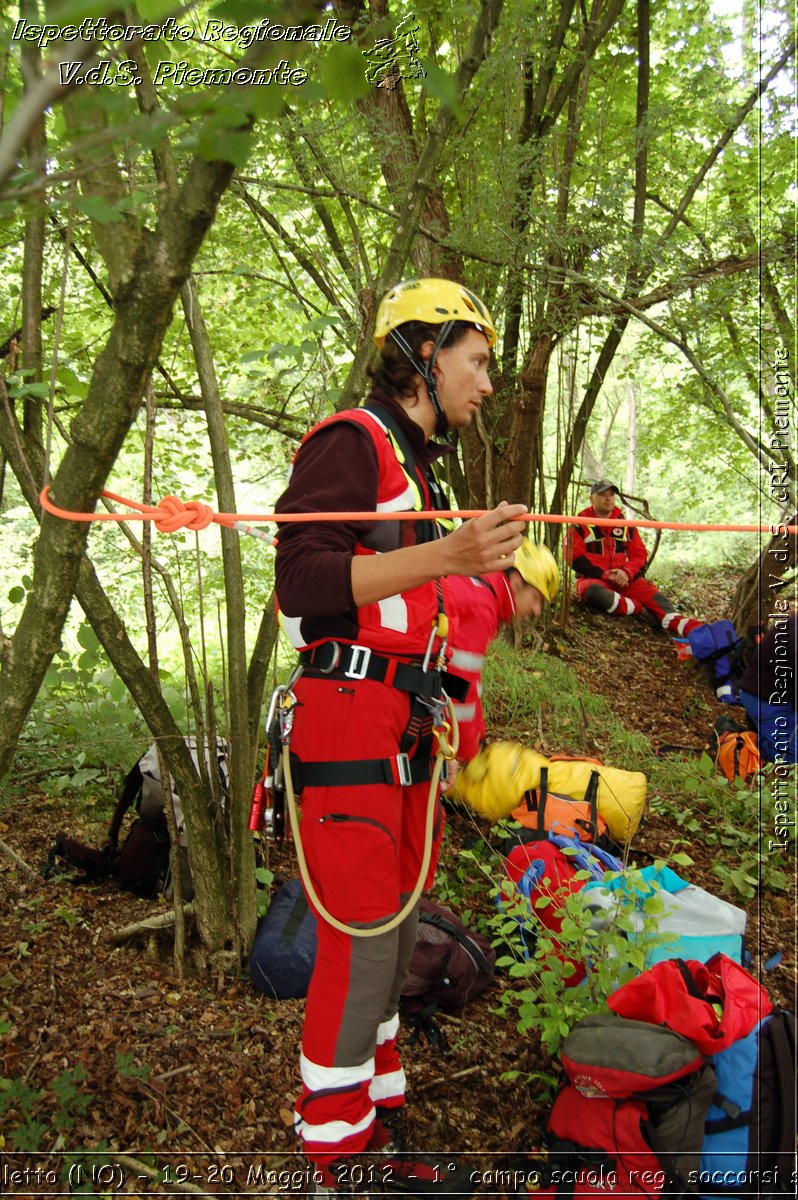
(610, 562)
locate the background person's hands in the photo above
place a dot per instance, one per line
(619, 577)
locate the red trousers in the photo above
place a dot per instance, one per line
(364, 846)
(639, 594)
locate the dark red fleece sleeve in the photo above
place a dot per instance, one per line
(334, 471)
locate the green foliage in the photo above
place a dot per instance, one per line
(539, 700)
(87, 729)
(264, 879)
(129, 1068)
(739, 821)
(31, 1114)
(465, 877)
(543, 961)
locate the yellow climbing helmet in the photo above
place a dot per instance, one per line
(434, 301)
(536, 565)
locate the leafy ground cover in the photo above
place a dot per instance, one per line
(106, 1050)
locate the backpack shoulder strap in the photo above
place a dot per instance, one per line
(461, 936)
(774, 1099)
(131, 788)
(591, 797)
(297, 915)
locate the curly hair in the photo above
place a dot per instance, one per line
(394, 373)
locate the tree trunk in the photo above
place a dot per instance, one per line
(631, 438)
(241, 858)
(33, 254)
(764, 581)
(518, 463)
(148, 284)
(412, 203)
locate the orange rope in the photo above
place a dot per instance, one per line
(172, 514)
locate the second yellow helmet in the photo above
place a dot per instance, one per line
(537, 566)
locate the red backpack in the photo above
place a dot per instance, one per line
(630, 1119)
(544, 869)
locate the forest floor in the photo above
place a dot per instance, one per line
(107, 1050)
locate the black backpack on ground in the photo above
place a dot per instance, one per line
(142, 864)
(450, 966)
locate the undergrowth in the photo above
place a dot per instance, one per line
(539, 701)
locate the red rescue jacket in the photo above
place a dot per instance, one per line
(595, 550)
(399, 625)
(476, 607)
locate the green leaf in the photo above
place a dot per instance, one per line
(36, 389)
(342, 74)
(682, 859)
(706, 766)
(16, 595)
(441, 86)
(98, 209)
(86, 775)
(225, 145)
(88, 638)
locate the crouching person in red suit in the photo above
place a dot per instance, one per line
(480, 607)
(609, 564)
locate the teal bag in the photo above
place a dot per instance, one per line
(701, 924)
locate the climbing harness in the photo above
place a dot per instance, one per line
(295, 775)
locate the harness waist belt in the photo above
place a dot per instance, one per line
(340, 661)
(399, 770)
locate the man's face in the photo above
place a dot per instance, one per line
(528, 601)
(603, 502)
(461, 372)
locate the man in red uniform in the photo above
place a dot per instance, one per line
(481, 606)
(610, 562)
(362, 600)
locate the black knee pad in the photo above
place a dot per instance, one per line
(599, 597)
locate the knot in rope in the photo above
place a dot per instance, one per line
(174, 515)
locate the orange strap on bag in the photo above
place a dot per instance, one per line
(738, 755)
(546, 813)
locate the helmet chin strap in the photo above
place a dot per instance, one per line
(427, 372)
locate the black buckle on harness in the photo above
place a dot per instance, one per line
(333, 660)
